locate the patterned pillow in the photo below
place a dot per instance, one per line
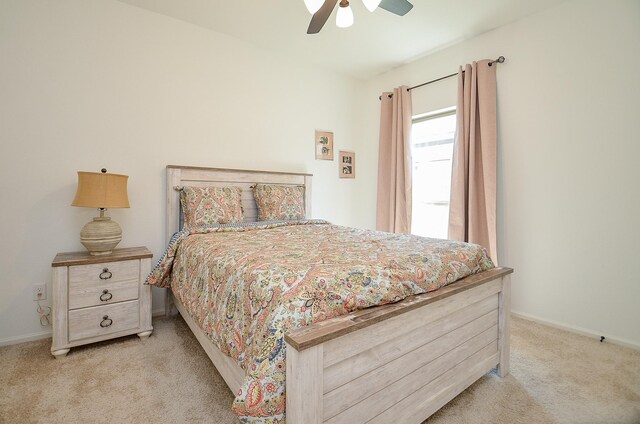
(211, 205)
(279, 202)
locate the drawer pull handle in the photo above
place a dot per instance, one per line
(105, 293)
(105, 274)
(106, 321)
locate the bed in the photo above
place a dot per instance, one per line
(401, 361)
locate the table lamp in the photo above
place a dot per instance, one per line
(102, 191)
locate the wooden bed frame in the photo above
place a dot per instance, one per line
(393, 363)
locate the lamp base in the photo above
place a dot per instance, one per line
(101, 236)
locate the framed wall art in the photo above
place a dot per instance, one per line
(324, 145)
(347, 164)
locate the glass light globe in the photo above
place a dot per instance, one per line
(313, 5)
(344, 18)
(371, 4)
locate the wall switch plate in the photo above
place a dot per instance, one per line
(39, 291)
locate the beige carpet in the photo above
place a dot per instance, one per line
(556, 377)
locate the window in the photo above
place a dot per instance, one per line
(432, 152)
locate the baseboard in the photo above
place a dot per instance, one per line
(25, 338)
(577, 330)
(574, 329)
(157, 312)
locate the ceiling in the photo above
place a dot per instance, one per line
(377, 41)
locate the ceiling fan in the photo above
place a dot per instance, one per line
(321, 10)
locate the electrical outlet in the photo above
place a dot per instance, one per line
(39, 291)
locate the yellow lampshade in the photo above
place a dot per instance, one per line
(101, 190)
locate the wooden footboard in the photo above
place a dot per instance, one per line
(400, 362)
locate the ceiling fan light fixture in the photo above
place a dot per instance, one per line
(344, 18)
(371, 4)
(313, 5)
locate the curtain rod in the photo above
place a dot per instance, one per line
(498, 60)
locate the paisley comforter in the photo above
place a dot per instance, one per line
(247, 284)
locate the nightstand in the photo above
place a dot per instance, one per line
(101, 297)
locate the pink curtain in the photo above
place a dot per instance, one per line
(393, 212)
(472, 213)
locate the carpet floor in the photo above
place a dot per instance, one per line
(556, 377)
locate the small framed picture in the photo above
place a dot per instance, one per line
(324, 145)
(347, 165)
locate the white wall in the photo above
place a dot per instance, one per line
(86, 84)
(568, 189)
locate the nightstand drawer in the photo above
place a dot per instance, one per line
(82, 295)
(99, 274)
(102, 320)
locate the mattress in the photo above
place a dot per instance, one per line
(246, 285)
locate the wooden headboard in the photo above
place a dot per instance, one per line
(180, 176)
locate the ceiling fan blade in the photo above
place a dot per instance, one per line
(320, 17)
(399, 7)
